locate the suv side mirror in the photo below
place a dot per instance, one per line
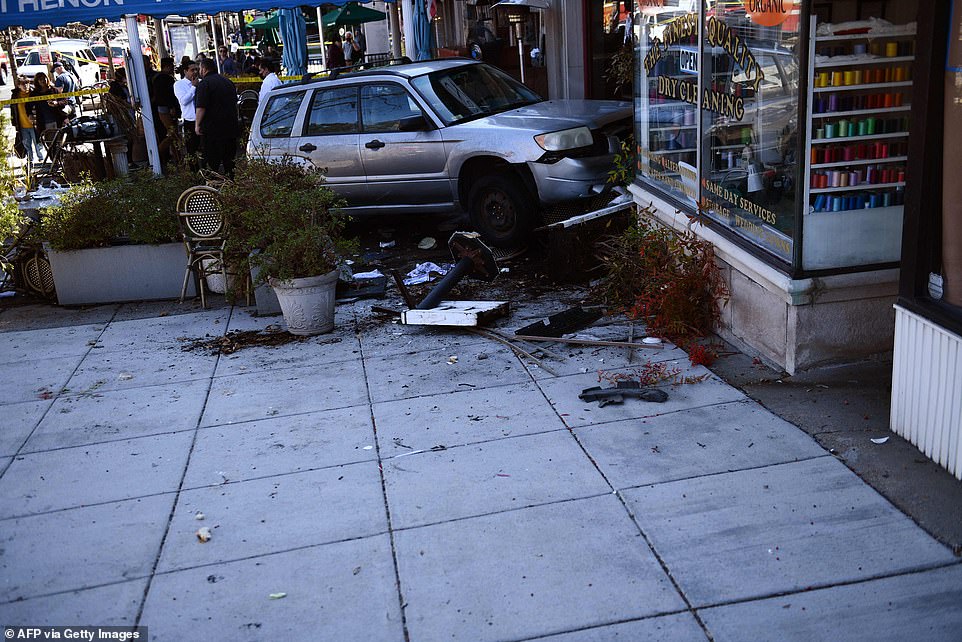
(415, 124)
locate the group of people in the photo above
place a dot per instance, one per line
(347, 52)
(32, 118)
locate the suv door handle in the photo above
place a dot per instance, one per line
(374, 144)
(307, 147)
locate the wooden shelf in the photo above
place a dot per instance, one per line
(672, 128)
(675, 151)
(874, 85)
(855, 188)
(854, 139)
(871, 161)
(862, 112)
(863, 62)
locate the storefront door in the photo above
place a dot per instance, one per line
(605, 22)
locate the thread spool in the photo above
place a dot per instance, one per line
(838, 78)
(849, 78)
(891, 49)
(859, 48)
(871, 126)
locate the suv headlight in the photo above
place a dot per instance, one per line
(565, 139)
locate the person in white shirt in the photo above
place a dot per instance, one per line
(267, 69)
(186, 89)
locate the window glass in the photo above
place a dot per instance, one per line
(716, 119)
(472, 91)
(750, 125)
(332, 111)
(385, 107)
(278, 120)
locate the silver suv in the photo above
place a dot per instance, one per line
(441, 136)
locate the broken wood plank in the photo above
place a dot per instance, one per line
(591, 342)
(456, 313)
(517, 349)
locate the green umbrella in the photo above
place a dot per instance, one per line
(352, 14)
(267, 21)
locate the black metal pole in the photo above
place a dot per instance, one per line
(446, 284)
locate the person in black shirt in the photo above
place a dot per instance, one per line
(167, 106)
(216, 120)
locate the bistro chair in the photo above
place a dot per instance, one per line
(202, 228)
(247, 106)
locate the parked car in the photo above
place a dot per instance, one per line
(23, 46)
(75, 52)
(444, 135)
(100, 51)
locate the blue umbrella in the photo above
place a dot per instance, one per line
(294, 36)
(422, 31)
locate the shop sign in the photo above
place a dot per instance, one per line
(688, 61)
(769, 13)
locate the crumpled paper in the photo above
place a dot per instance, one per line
(422, 273)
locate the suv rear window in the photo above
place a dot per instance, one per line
(385, 107)
(278, 121)
(333, 111)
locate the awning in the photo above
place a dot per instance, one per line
(31, 13)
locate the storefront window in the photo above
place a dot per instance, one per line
(736, 90)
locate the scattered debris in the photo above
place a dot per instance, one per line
(561, 323)
(427, 243)
(622, 389)
(277, 596)
(456, 313)
(474, 259)
(425, 273)
(399, 443)
(369, 448)
(452, 359)
(482, 356)
(652, 341)
(125, 376)
(518, 348)
(369, 287)
(357, 569)
(235, 340)
(386, 245)
(199, 516)
(203, 534)
(588, 342)
(880, 440)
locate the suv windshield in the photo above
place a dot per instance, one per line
(472, 91)
(33, 58)
(101, 51)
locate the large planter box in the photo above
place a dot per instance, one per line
(120, 273)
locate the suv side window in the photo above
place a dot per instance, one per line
(385, 107)
(332, 111)
(278, 119)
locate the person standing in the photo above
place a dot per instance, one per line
(352, 51)
(335, 53)
(49, 115)
(216, 118)
(267, 70)
(185, 90)
(167, 106)
(64, 81)
(21, 115)
(227, 65)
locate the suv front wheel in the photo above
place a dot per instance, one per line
(502, 210)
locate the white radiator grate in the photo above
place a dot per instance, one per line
(927, 389)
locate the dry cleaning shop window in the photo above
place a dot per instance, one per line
(733, 97)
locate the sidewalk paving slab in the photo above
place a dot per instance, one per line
(339, 591)
(151, 332)
(56, 342)
(466, 416)
(782, 528)
(115, 603)
(19, 420)
(81, 547)
(40, 316)
(389, 339)
(529, 572)
(430, 372)
(100, 473)
(137, 368)
(499, 475)
(274, 514)
(918, 606)
(563, 393)
(96, 417)
(36, 378)
(681, 627)
(695, 442)
(264, 394)
(279, 445)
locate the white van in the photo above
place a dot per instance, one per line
(75, 52)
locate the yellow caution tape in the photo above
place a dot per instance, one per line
(30, 99)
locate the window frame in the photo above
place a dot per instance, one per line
(310, 106)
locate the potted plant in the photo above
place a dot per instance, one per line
(293, 232)
(117, 240)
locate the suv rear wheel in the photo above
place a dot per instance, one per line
(501, 209)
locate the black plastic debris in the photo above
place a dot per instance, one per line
(561, 323)
(605, 396)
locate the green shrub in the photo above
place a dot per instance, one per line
(140, 209)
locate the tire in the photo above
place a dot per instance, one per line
(501, 210)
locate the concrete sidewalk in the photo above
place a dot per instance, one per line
(392, 493)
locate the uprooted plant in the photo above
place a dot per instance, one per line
(666, 278)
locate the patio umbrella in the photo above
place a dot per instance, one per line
(352, 14)
(267, 21)
(294, 36)
(422, 31)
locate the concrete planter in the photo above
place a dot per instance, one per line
(120, 273)
(308, 303)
